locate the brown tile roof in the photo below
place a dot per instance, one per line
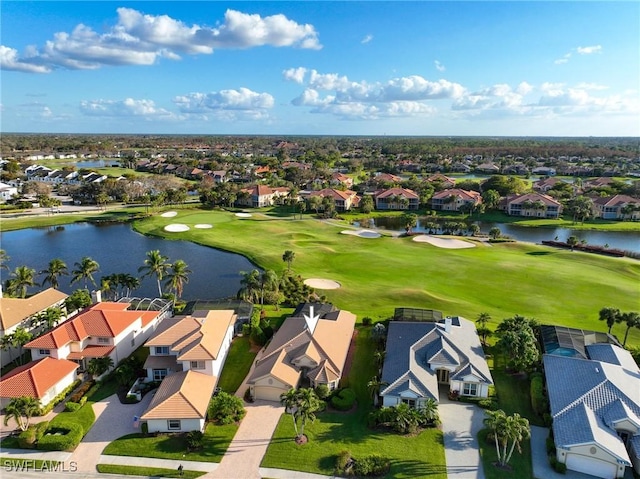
(277, 366)
(34, 379)
(467, 195)
(15, 310)
(335, 194)
(533, 197)
(617, 200)
(387, 177)
(183, 395)
(397, 192)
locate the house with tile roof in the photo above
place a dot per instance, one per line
(42, 379)
(423, 356)
(19, 312)
(545, 184)
(343, 200)
(445, 181)
(618, 207)
(259, 196)
(103, 329)
(595, 406)
(180, 403)
(532, 204)
(311, 345)
(397, 199)
(198, 342)
(338, 178)
(455, 198)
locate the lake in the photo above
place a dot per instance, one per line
(119, 249)
(624, 240)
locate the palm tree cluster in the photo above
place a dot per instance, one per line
(614, 316)
(176, 275)
(118, 285)
(22, 409)
(507, 429)
(302, 404)
(405, 419)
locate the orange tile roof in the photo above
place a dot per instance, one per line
(34, 379)
(397, 192)
(183, 395)
(15, 310)
(91, 352)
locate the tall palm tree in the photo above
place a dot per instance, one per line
(288, 256)
(517, 430)
(98, 366)
(19, 338)
(250, 286)
(56, 268)
(611, 316)
(268, 281)
(84, 271)
(496, 422)
(177, 277)
(290, 401)
(155, 265)
(375, 385)
(483, 331)
(22, 278)
(632, 320)
(130, 283)
(21, 409)
(308, 404)
(48, 318)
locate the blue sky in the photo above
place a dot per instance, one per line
(318, 67)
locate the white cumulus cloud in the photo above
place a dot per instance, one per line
(589, 50)
(242, 99)
(295, 74)
(128, 107)
(140, 39)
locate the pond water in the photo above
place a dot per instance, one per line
(119, 249)
(624, 240)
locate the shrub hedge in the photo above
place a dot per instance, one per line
(373, 465)
(82, 390)
(59, 398)
(539, 402)
(61, 438)
(344, 399)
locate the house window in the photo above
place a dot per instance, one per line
(159, 374)
(409, 402)
(162, 349)
(44, 352)
(470, 389)
(197, 364)
(103, 340)
(173, 424)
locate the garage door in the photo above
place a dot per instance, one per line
(267, 393)
(589, 465)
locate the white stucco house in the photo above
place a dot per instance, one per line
(422, 355)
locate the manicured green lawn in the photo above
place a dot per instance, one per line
(174, 446)
(147, 471)
(237, 365)
(378, 275)
(514, 395)
(519, 466)
(411, 456)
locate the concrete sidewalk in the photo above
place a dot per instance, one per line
(162, 463)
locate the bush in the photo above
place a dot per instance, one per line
(71, 406)
(27, 439)
(343, 463)
(61, 438)
(226, 409)
(366, 321)
(82, 390)
(560, 467)
(144, 428)
(194, 440)
(373, 465)
(490, 404)
(322, 391)
(58, 399)
(344, 399)
(551, 446)
(539, 402)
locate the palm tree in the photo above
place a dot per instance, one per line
(177, 277)
(155, 264)
(268, 280)
(108, 286)
(483, 331)
(495, 232)
(429, 411)
(130, 283)
(4, 259)
(56, 268)
(632, 320)
(496, 422)
(507, 428)
(288, 256)
(290, 402)
(19, 338)
(250, 286)
(572, 241)
(98, 366)
(308, 404)
(611, 316)
(379, 356)
(47, 319)
(517, 430)
(375, 385)
(22, 278)
(21, 409)
(6, 344)
(84, 271)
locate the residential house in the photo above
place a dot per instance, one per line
(397, 199)
(42, 379)
(445, 182)
(338, 178)
(487, 168)
(311, 345)
(104, 329)
(198, 342)
(180, 403)
(343, 200)
(387, 178)
(546, 184)
(260, 196)
(601, 182)
(618, 207)
(517, 169)
(19, 312)
(454, 199)
(544, 170)
(7, 192)
(93, 178)
(422, 356)
(532, 204)
(595, 407)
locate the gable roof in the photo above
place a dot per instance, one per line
(183, 395)
(15, 310)
(106, 319)
(464, 195)
(328, 346)
(335, 194)
(533, 197)
(34, 379)
(616, 201)
(397, 191)
(412, 347)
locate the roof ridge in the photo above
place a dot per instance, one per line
(580, 399)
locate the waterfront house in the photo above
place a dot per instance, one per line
(618, 207)
(343, 200)
(454, 199)
(396, 199)
(445, 182)
(532, 204)
(259, 196)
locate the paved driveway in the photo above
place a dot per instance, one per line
(113, 420)
(461, 423)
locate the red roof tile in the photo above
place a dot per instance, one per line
(34, 379)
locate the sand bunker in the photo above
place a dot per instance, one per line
(322, 283)
(243, 215)
(169, 214)
(449, 243)
(176, 228)
(203, 226)
(362, 233)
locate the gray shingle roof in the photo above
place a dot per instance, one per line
(609, 353)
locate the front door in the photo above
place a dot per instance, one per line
(443, 376)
